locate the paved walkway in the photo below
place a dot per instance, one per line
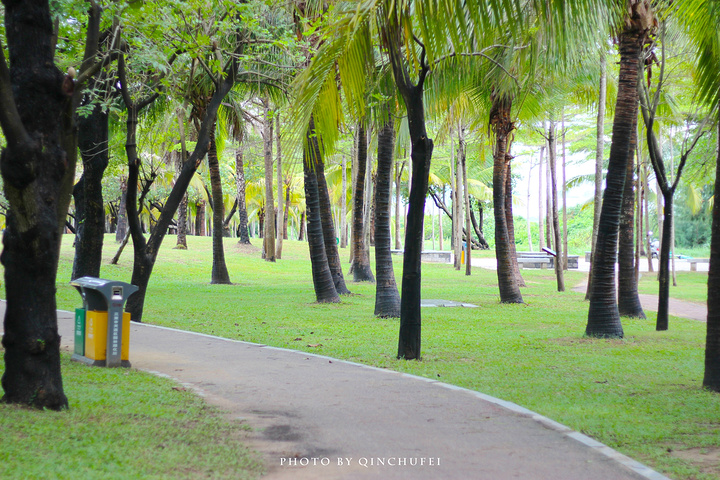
(315, 417)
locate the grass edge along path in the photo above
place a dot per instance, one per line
(640, 395)
(123, 423)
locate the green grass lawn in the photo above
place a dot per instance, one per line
(691, 286)
(123, 423)
(640, 395)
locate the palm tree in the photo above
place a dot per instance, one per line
(603, 314)
(360, 260)
(387, 298)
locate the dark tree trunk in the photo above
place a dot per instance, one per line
(664, 263)
(242, 209)
(200, 218)
(504, 249)
(33, 165)
(361, 262)
(409, 342)
(90, 209)
(478, 227)
(220, 273)
(552, 165)
(146, 251)
(387, 298)
(326, 220)
(711, 379)
(628, 299)
(122, 224)
(603, 314)
(323, 281)
(301, 233)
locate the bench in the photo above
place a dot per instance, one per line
(432, 256)
(695, 261)
(536, 262)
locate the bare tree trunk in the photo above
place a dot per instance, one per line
(240, 185)
(564, 200)
(200, 218)
(599, 155)
(269, 234)
(398, 216)
(343, 206)
(280, 216)
(552, 164)
(541, 195)
(468, 229)
(122, 225)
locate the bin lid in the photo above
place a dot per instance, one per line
(98, 293)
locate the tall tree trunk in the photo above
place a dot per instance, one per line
(441, 234)
(398, 216)
(468, 229)
(628, 299)
(502, 126)
(564, 200)
(182, 216)
(663, 311)
(301, 228)
(599, 156)
(552, 166)
(343, 206)
(646, 233)
(409, 341)
(323, 281)
(269, 233)
(326, 219)
(280, 216)
(220, 273)
(122, 224)
(242, 209)
(360, 263)
(457, 206)
(200, 218)
(711, 379)
(510, 220)
(603, 314)
(541, 192)
(90, 209)
(34, 165)
(286, 214)
(387, 298)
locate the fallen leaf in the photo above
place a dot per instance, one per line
(314, 345)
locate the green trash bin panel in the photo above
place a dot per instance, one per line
(80, 331)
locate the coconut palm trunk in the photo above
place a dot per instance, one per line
(387, 298)
(269, 233)
(628, 299)
(219, 273)
(243, 234)
(360, 261)
(603, 314)
(552, 167)
(711, 379)
(323, 282)
(326, 218)
(502, 126)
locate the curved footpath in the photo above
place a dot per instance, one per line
(315, 417)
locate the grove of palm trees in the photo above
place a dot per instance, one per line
(373, 132)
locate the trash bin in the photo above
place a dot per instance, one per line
(102, 327)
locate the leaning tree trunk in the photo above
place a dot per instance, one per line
(326, 219)
(711, 379)
(242, 208)
(603, 314)
(219, 273)
(387, 298)
(628, 299)
(502, 127)
(90, 209)
(34, 165)
(361, 262)
(323, 282)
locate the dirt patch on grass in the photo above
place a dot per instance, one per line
(249, 249)
(707, 459)
(570, 341)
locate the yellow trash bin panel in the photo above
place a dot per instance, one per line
(96, 324)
